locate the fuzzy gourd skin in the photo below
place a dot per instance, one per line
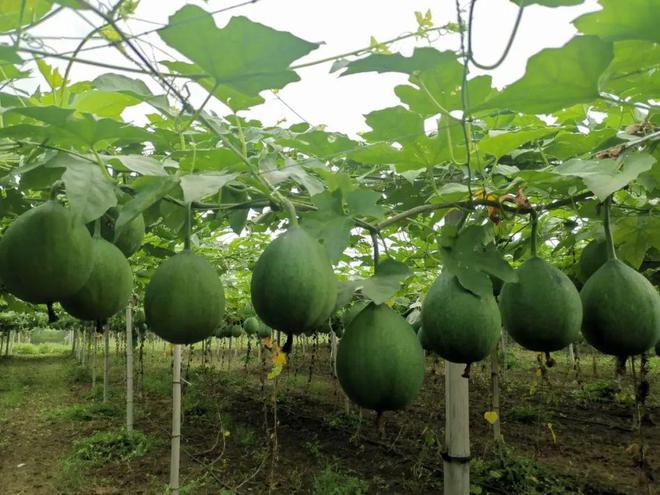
(542, 311)
(459, 326)
(621, 310)
(380, 363)
(108, 287)
(293, 286)
(184, 301)
(45, 254)
(351, 312)
(129, 238)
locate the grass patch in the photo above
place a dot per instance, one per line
(81, 412)
(333, 481)
(45, 348)
(511, 472)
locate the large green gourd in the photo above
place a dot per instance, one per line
(129, 238)
(184, 301)
(107, 289)
(380, 363)
(293, 286)
(251, 325)
(542, 311)
(458, 325)
(45, 254)
(621, 310)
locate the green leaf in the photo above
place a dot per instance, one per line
(290, 170)
(238, 217)
(363, 203)
(132, 87)
(148, 190)
(604, 177)
(386, 281)
(10, 12)
(90, 192)
(499, 144)
(421, 59)
(634, 71)
(471, 256)
(198, 186)
(143, 165)
(329, 223)
(244, 56)
(395, 124)
(557, 78)
(632, 19)
(634, 236)
(8, 54)
(569, 144)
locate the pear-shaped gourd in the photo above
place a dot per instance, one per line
(251, 325)
(380, 363)
(542, 311)
(184, 301)
(107, 289)
(45, 254)
(621, 310)
(129, 238)
(460, 326)
(264, 331)
(594, 255)
(423, 340)
(293, 286)
(236, 331)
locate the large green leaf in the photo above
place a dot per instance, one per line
(502, 143)
(630, 19)
(471, 256)
(634, 236)
(32, 10)
(634, 71)
(421, 59)
(329, 223)
(244, 56)
(90, 192)
(386, 281)
(549, 3)
(395, 123)
(148, 190)
(198, 186)
(603, 177)
(132, 87)
(557, 78)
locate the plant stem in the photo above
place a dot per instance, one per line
(187, 227)
(534, 222)
(611, 252)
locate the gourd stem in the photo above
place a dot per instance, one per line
(97, 228)
(534, 221)
(187, 227)
(611, 252)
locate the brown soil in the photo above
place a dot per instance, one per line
(580, 434)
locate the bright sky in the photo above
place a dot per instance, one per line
(342, 25)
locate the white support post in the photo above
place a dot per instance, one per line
(457, 431)
(129, 369)
(106, 362)
(176, 421)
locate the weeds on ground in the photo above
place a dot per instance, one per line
(81, 412)
(511, 472)
(332, 481)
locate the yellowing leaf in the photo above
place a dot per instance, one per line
(491, 417)
(279, 359)
(275, 372)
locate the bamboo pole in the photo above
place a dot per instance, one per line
(457, 431)
(176, 421)
(106, 363)
(129, 369)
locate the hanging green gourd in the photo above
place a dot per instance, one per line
(184, 301)
(593, 256)
(459, 326)
(293, 286)
(108, 287)
(46, 254)
(621, 307)
(251, 325)
(541, 311)
(380, 362)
